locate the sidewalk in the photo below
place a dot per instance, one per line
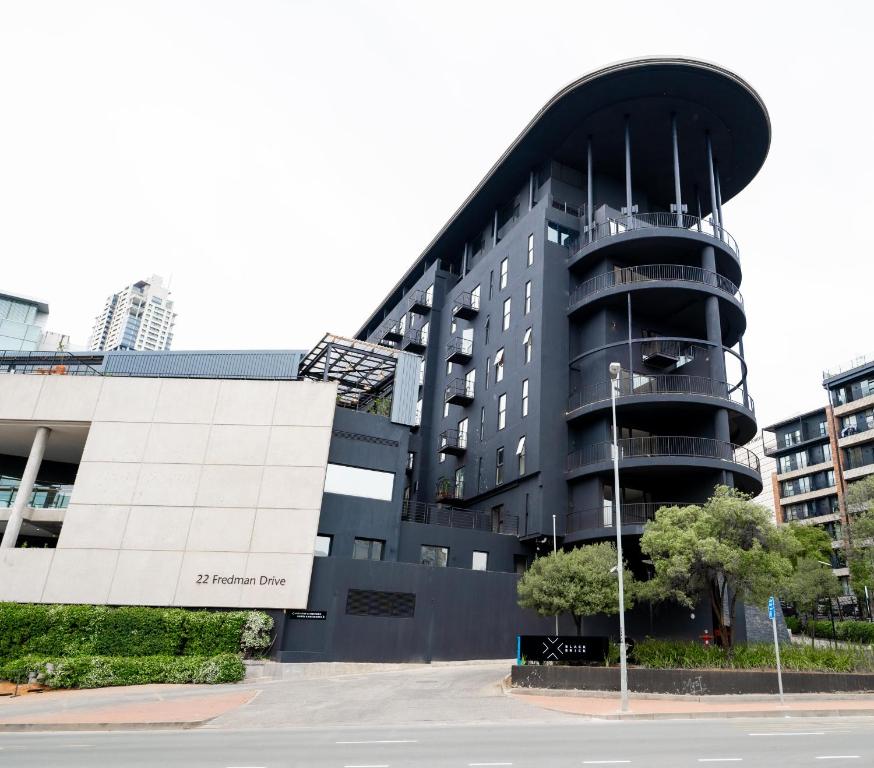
(650, 707)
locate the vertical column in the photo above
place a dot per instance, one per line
(743, 382)
(25, 489)
(718, 197)
(714, 208)
(677, 196)
(628, 168)
(464, 258)
(531, 190)
(495, 229)
(589, 196)
(713, 325)
(630, 349)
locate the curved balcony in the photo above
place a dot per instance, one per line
(652, 276)
(657, 452)
(633, 514)
(625, 225)
(662, 386)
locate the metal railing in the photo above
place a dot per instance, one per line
(619, 225)
(574, 210)
(453, 438)
(454, 517)
(848, 365)
(414, 337)
(418, 298)
(51, 363)
(460, 346)
(661, 384)
(466, 300)
(669, 445)
(635, 513)
(772, 446)
(654, 273)
(42, 497)
(459, 387)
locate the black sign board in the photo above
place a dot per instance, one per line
(307, 615)
(562, 648)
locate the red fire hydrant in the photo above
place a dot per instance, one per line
(706, 638)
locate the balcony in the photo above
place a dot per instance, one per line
(621, 225)
(641, 385)
(655, 275)
(459, 350)
(459, 392)
(452, 517)
(390, 332)
(419, 302)
(414, 341)
(466, 305)
(453, 442)
(664, 353)
(635, 513)
(449, 490)
(641, 449)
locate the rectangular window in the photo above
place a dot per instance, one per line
(445, 410)
(524, 398)
(482, 423)
(530, 249)
(433, 555)
(555, 233)
(505, 267)
(452, 326)
(411, 460)
(479, 474)
(462, 433)
(323, 545)
(499, 466)
(419, 412)
(356, 481)
(506, 322)
(421, 371)
(499, 365)
(474, 297)
(520, 455)
(480, 561)
(424, 331)
(527, 344)
(491, 283)
(502, 411)
(459, 483)
(448, 368)
(527, 307)
(488, 370)
(488, 328)
(367, 549)
(429, 295)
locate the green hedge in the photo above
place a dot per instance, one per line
(88, 630)
(663, 654)
(851, 631)
(100, 671)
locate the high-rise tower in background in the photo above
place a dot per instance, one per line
(140, 316)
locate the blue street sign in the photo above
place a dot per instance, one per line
(772, 610)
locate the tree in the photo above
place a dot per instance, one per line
(811, 582)
(860, 541)
(580, 582)
(724, 551)
(813, 542)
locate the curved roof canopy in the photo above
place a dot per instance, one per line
(706, 99)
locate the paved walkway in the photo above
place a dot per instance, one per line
(400, 695)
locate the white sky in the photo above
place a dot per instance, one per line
(285, 162)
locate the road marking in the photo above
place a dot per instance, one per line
(604, 762)
(790, 733)
(838, 757)
(380, 765)
(720, 759)
(472, 764)
(381, 741)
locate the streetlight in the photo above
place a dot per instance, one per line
(554, 552)
(615, 370)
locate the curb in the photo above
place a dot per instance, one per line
(158, 726)
(756, 713)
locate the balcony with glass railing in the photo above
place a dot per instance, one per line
(44, 496)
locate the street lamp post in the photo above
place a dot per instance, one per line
(615, 370)
(554, 551)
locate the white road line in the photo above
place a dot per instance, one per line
(472, 764)
(604, 762)
(720, 759)
(381, 741)
(789, 733)
(838, 757)
(373, 765)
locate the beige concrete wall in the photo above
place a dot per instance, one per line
(190, 492)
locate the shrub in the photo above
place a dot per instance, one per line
(851, 631)
(100, 671)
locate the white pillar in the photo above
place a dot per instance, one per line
(25, 489)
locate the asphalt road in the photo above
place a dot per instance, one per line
(673, 744)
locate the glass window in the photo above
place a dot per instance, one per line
(499, 365)
(459, 483)
(357, 481)
(520, 454)
(424, 331)
(433, 555)
(524, 397)
(470, 382)
(419, 412)
(499, 466)
(429, 295)
(488, 328)
(421, 371)
(555, 233)
(474, 297)
(502, 411)
(488, 370)
(323, 545)
(527, 308)
(411, 460)
(506, 322)
(367, 549)
(530, 249)
(448, 368)
(453, 326)
(482, 422)
(505, 266)
(527, 344)
(402, 325)
(445, 410)
(480, 561)
(491, 283)
(462, 433)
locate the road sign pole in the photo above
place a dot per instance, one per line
(772, 613)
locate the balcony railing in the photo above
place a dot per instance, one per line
(414, 340)
(419, 302)
(459, 350)
(662, 384)
(453, 441)
(772, 446)
(619, 225)
(665, 446)
(574, 210)
(459, 392)
(42, 497)
(453, 517)
(660, 273)
(465, 305)
(634, 513)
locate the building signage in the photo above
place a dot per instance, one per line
(307, 615)
(246, 581)
(563, 648)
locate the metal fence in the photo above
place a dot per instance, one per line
(455, 517)
(634, 513)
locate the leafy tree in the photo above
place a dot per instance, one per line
(811, 582)
(725, 550)
(860, 552)
(579, 582)
(813, 542)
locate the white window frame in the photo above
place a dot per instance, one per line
(502, 411)
(499, 365)
(483, 564)
(526, 307)
(524, 398)
(505, 271)
(527, 345)
(507, 309)
(530, 249)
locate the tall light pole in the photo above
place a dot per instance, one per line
(615, 370)
(554, 552)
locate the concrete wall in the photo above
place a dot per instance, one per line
(186, 488)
